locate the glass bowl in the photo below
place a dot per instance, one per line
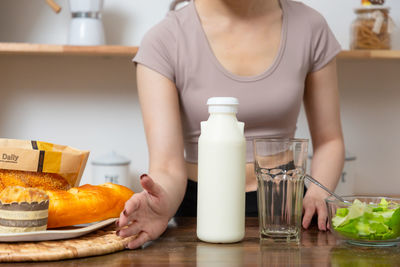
(365, 221)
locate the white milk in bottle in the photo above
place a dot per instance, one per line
(221, 174)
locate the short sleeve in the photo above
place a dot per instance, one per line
(157, 50)
(324, 45)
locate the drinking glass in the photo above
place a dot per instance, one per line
(280, 166)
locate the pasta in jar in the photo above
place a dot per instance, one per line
(372, 28)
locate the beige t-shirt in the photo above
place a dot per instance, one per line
(178, 48)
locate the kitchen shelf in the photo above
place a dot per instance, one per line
(128, 51)
(369, 54)
(48, 49)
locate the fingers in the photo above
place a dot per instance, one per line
(308, 214)
(131, 205)
(150, 186)
(142, 238)
(322, 217)
(131, 230)
(128, 214)
(310, 209)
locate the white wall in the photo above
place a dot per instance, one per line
(370, 98)
(125, 21)
(86, 102)
(91, 103)
(370, 108)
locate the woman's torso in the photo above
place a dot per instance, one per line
(270, 100)
(245, 47)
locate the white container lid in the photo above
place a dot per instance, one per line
(111, 159)
(223, 105)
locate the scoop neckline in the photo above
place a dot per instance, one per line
(269, 70)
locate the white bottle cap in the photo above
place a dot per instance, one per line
(222, 105)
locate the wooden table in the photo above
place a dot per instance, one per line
(179, 246)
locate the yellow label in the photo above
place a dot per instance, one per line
(52, 161)
(45, 146)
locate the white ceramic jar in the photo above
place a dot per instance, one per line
(86, 27)
(111, 168)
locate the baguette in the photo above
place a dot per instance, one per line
(41, 180)
(86, 204)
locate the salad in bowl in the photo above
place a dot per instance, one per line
(368, 221)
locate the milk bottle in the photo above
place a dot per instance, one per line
(221, 174)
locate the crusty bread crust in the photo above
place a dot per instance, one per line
(20, 194)
(41, 180)
(86, 204)
(78, 205)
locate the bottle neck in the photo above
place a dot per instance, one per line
(218, 118)
(222, 109)
(222, 114)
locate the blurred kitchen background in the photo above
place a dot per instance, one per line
(90, 102)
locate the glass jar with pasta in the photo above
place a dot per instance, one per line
(372, 28)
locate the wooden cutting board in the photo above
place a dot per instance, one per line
(101, 242)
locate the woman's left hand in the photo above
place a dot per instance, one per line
(321, 103)
(314, 202)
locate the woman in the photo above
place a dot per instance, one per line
(270, 54)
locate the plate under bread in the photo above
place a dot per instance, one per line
(55, 234)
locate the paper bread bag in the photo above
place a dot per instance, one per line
(37, 156)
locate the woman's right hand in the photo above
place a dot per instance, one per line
(145, 214)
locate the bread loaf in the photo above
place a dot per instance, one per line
(86, 204)
(41, 180)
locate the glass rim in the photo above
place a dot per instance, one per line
(280, 139)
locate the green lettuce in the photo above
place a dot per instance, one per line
(362, 221)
